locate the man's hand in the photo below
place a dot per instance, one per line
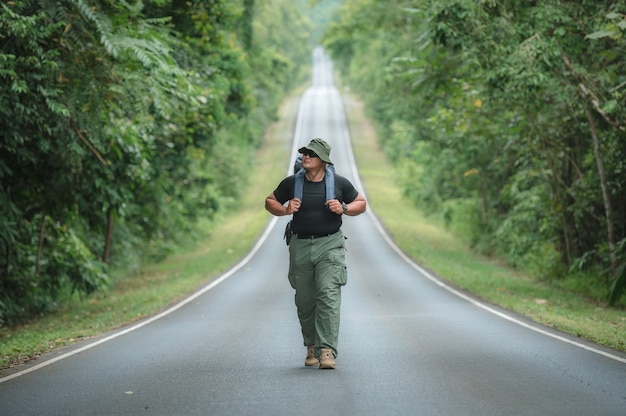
(293, 206)
(278, 209)
(356, 207)
(335, 206)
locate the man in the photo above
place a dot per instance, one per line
(317, 263)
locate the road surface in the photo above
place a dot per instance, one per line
(408, 345)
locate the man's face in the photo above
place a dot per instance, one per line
(310, 160)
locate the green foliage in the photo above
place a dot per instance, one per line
(39, 279)
(124, 123)
(482, 105)
(617, 290)
(618, 287)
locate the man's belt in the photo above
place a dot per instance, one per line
(313, 236)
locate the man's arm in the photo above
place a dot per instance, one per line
(356, 207)
(276, 208)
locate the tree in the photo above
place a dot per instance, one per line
(123, 124)
(480, 108)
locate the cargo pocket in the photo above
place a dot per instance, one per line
(341, 269)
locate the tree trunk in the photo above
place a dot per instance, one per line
(107, 238)
(605, 192)
(587, 94)
(42, 233)
(568, 249)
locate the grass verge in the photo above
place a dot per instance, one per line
(157, 286)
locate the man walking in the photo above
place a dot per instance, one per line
(317, 262)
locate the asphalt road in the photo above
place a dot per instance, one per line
(409, 345)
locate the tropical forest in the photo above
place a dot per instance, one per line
(507, 118)
(123, 124)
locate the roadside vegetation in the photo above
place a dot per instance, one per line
(134, 295)
(504, 120)
(433, 244)
(125, 126)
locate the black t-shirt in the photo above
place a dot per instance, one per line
(314, 217)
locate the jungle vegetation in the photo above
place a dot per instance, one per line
(124, 124)
(508, 119)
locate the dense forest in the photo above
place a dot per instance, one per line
(508, 119)
(124, 123)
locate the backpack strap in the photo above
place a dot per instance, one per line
(329, 177)
(299, 184)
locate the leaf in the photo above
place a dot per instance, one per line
(471, 172)
(602, 34)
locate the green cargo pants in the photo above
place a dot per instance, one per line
(317, 270)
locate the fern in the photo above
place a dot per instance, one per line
(103, 25)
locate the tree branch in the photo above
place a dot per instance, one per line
(90, 146)
(593, 99)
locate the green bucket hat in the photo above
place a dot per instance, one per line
(320, 147)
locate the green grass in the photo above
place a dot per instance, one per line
(153, 288)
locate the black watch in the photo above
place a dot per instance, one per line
(345, 207)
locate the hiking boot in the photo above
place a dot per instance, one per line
(327, 359)
(311, 360)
